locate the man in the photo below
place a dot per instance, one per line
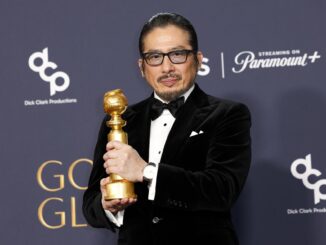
(189, 162)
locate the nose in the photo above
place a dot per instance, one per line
(167, 65)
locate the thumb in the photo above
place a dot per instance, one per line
(103, 184)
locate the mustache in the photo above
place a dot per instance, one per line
(170, 75)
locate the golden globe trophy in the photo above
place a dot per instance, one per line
(115, 103)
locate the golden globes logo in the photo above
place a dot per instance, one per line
(61, 215)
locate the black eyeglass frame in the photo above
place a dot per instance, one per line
(187, 52)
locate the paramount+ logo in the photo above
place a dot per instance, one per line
(42, 67)
(305, 176)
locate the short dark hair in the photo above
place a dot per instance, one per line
(165, 19)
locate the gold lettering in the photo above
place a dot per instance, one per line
(40, 180)
(71, 172)
(61, 214)
(73, 214)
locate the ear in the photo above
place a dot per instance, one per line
(141, 67)
(200, 57)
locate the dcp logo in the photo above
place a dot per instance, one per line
(306, 162)
(52, 79)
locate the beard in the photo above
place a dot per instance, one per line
(172, 95)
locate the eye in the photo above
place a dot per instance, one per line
(153, 56)
(178, 53)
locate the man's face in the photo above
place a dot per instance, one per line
(169, 80)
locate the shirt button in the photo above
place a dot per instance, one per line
(155, 220)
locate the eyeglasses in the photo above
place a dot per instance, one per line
(176, 57)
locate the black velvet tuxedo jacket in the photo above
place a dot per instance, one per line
(199, 177)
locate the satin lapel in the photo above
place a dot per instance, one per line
(194, 111)
(138, 128)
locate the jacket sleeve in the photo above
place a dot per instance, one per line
(92, 207)
(217, 185)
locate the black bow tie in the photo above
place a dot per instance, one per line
(158, 107)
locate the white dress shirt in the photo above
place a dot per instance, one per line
(159, 131)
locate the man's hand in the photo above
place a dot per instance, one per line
(123, 160)
(114, 205)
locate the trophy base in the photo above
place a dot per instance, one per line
(120, 189)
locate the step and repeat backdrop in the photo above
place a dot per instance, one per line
(59, 57)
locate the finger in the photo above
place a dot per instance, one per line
(106, 164)
(111, 166)
(132, 200)
(106, 156)
(113, 202)
(104, 181)
(116, 205)
(107, 171)
(127, 201)
(103, 184)
(114, 145)
(108, 168)
(124, 201)
(108, 204)
(111, 154)
(104, 194)
(113, 210)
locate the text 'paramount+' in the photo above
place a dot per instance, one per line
(248, 60)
